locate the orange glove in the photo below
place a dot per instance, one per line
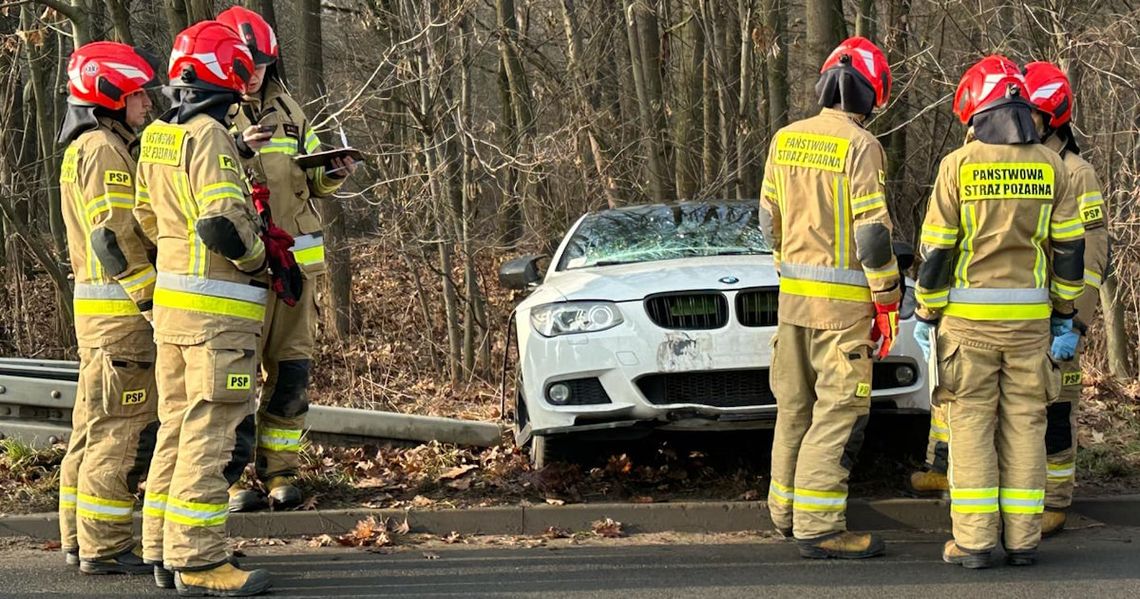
(885, 327)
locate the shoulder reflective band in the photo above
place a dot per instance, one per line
(309, 249)
(69, 168)
(192, 513)
(1067, 230)
(999, 304)
(279, 439)
(93, 299)
(820, 501)
(219, 191)
(867, 203)
(1066, 291)
(768, 189)
(933, 299)
(221, 298)
(142, 195)
(974, 501)
(811, 150)
(97, 508)
(162, 144)
(312, 142)
(939, 236)
(1091, 206)
(1006, 181)
(1093, 279)
(1023, 501)
(140, 280)
(100, 204)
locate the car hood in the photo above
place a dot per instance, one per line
(632, 282)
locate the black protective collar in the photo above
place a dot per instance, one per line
(188, 103)
(845, 86)
(1007, 123)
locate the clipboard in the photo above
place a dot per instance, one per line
(932, 361)
(325, 157)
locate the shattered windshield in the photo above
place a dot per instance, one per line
(660, 232)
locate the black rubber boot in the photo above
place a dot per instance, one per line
(127, 563)
(246, 500)
(163, 578)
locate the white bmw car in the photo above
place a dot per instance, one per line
(661, 316)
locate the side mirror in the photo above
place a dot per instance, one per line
(904, 254)
(520, 273)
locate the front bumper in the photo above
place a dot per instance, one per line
(630, 360)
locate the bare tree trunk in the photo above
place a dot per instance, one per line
(825, 29)
(338, 300)
(1119, 344)
(710, 160)
(177, 17)
(775, 29)
(522, 110)
(725, 34)
(687, 166)
(746, 167)
(647, 81)
(41, 65)
(203, 10)
(121, 19)
(266, 9)
(865, 19)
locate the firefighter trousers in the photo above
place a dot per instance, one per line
(938, 442)
(110, 448)
(822, 383)
(286, 359)
(1061, 432)
(996, 419)
(205, 390)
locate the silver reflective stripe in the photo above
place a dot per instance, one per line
(305, 242)
(97, 291)
(826, 274)
(223, 289)
(999, 296)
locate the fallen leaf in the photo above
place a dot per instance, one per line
(324, 540)
(452, 538)
(421, 501)
(608, 528)
(749, 495)
(554, 532)
(462, 484)
(370, 483)
(553, 501)
(52, 546)
(456, 472)
(402, 528)
(643, 499)
(309, 504)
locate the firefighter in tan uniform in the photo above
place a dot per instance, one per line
(274, 131)
(825, 214)
(1003, 248)
(209, 304)
(1050, 92)
(114, 281)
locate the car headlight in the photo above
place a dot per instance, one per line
(566, 318)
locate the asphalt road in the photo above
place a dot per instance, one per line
(1091, 563)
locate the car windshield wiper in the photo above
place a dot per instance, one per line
(614, 262)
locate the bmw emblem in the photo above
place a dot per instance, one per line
(730, 280)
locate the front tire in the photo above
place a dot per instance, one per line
(545, 451)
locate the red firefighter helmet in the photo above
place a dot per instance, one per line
(210, 56)
(1050, 92)
(993, 81)
(252, 28)
(867, 60)
(105, 73)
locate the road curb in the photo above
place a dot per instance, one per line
(692, 517)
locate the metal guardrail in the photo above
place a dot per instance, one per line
(37, 396)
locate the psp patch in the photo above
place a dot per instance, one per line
(228, 163)
(238, 382)
(1070, 379)
(863, 390)
(122, 178)
(1092, 214)
(134, 398)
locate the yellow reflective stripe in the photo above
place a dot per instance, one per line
(107, 201)
(67, 496)
(820, 501)
(1061, 472)
(939, 236)
(1023, 501)
(885, 273)
(933, 299)
(197, 263)
(1039, 236)
(1093, 279)
(97, 508)
(1066, 291)
(191, 513)
(253, 257)
(970, 229)
(280, 439)
(842, 222)
(780, 494)
(280, 145)
(154, 505)
(939, 430)
(998, 311)
(104, 307)
(1090, 199)
(220, 191)
(313, 255)
(974, 501)
(325, 184)
(868, 202)
(1065, 230)
(139, 280)
(312, 142)
(182, 300)
(768, 188)
(837, 291)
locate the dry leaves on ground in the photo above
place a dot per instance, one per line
(608, 528)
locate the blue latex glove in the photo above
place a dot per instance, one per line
(1065, 346)
(1060, 326)
(922, 336)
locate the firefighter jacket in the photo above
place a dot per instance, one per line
(193, 198)
(114, 277)
(291, 188)
(1002, 245)
(824, 212)
(1090, 202)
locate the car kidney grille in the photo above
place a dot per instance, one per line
(688, 310)
(757, 307)
(721, 389)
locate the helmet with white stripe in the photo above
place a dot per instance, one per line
(1050, 92)
(105, 73)
(254, 30)
(994, 81)
(210, 56)
(866, 59)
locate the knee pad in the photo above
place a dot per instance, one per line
(854, 443)
(1058, 428)
(243, 449)
(941, 463)
(290, 398)
(147, 439)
